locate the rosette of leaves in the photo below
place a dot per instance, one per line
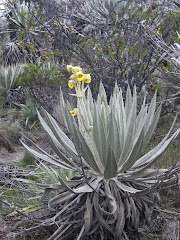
(8, 78)
(29, 39)
(20, 18)
(111, 194)
(97, 12)
(28, 112)
(11, 54)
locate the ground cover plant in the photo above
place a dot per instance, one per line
(114, 190)
(28, 112)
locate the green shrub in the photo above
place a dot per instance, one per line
(40, 74)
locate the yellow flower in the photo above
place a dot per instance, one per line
(77, 76)
(80, 76)
(87, 78)
(158, 31)
(77, 81)
(69, 68)
(74, 112)
(76, 69)
(71, 83)
(73, 77)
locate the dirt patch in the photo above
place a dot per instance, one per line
(9, 152)
(7, 157)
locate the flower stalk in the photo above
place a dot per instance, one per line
(78, 80)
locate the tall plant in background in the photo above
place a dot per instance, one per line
(8, 79)
(108, 37)
(113, 192)
(99, 34)
(171, 54)
(28, 39)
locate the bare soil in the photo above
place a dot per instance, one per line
(7, 157)
(9, 152)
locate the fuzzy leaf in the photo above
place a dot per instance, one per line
(99, 136)
(88, 215)
(110, 170)
(47, 158)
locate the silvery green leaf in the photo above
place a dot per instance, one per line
(60, 135)
(110, 170)
(99, 215)
(112, 199)
(47, 158)
(146, 158)
(102, 98)
(58, 141)
(90, 101)
(152, 127)
(114, 138)
(83, 113)
(146, 213)
(121, 118)
(99, 136)
(88, 215)
(119, 228)
(141, 112)
(128, 103)
(84, 150)
(151, 111)
(149, 159)
(63, 184)
(50, 172)
(129, 134)
(143, 175)
(88, 187)
(134, 154)
(105, 112)
(88, 141)
(59, 153)
(59, 199)
(135, 214)
(125, 187)
(70, 122)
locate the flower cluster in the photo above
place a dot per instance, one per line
(77, 80)
(158, 31)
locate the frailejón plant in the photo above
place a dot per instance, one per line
(28, 113)
(112, 196)
(8, 77)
